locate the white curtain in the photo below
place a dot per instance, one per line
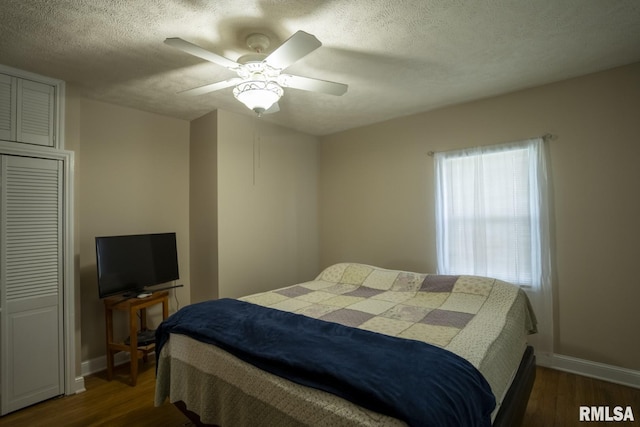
(492, 219)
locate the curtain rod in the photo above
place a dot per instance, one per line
(546, 137)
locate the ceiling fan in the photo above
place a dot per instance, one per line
(260, 79)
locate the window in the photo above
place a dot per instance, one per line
(492, 220)
(490, 212)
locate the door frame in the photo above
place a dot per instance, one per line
(72, 383)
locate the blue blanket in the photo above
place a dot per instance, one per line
(418, 383)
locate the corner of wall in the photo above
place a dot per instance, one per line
(203, 207)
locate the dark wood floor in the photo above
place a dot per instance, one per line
(105, 403)
(557, 396)
(555, 401)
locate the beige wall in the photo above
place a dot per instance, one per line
(72, 143)
(376, 197)
(254, 219)
(203, 207)
(138, 172)
(267, 205)
(132, 177)
(372, 196)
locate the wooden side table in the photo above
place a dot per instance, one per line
(132, 306)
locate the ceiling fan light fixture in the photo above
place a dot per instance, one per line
(258, 95)
(259, 83)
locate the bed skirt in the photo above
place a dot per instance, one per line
(510, 414)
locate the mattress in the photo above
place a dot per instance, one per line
(483, 320)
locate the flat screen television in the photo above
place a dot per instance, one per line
(126, 264)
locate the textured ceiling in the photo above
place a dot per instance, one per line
(398, 56)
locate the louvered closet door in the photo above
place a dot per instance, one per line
(31, 341)
(7, 107)
(35, 113)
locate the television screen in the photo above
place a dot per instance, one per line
(126, 264)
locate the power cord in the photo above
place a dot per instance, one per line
(175, 295)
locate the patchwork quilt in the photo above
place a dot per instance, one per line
(483, 320)
(471, 316)
(418, 383)
(427, 308)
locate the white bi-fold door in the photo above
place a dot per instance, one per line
(31, 282)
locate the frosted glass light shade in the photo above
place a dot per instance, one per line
(258, 95)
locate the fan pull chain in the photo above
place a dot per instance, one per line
(256, 149)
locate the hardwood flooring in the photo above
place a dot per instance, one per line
(557, 396)
(105, 403)
(555, 401)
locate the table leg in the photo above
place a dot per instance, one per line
(133, 344)
(165, 307)
(109, 323)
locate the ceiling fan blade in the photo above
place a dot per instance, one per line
(314, 85)
(295, 47)
(196, 50)
(200, 90)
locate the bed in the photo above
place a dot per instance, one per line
(357, 346)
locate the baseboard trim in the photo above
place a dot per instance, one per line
(98, 364)
(79, 385)
(587, 368)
